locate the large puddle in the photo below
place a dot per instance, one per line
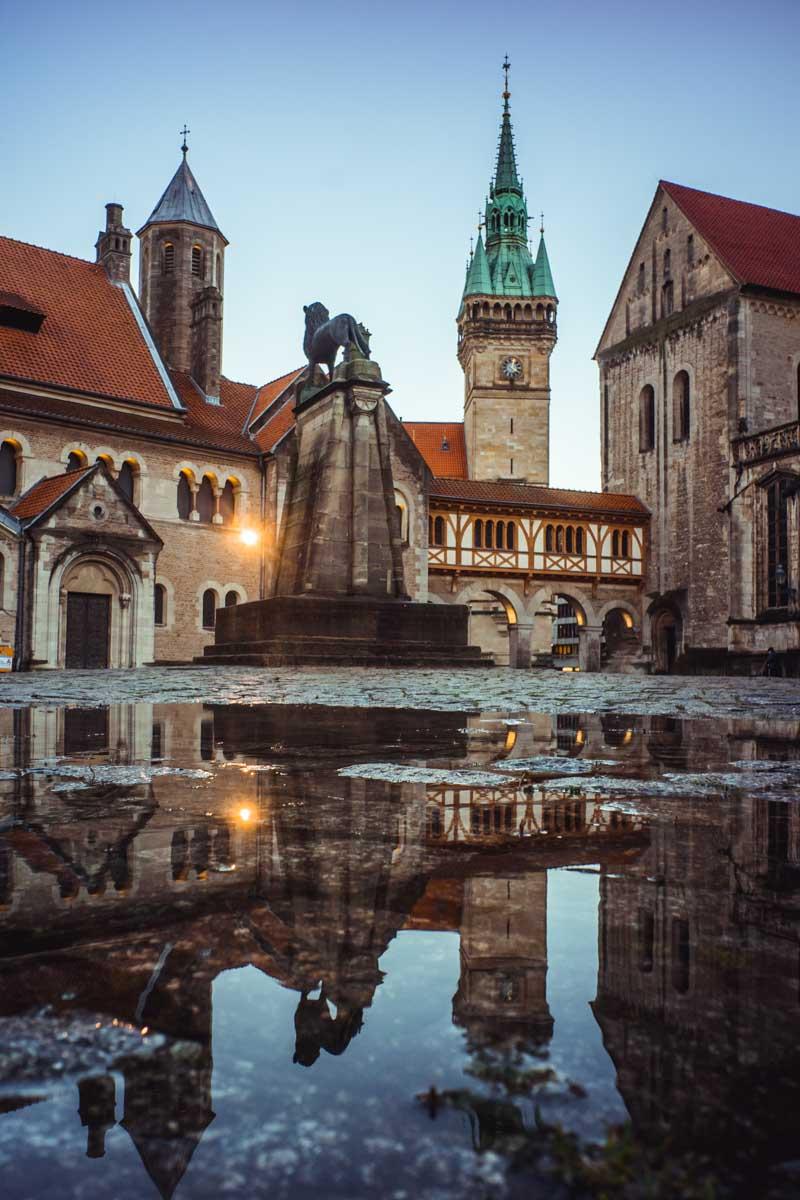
(342, 953)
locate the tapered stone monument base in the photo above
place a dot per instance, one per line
(306, 631)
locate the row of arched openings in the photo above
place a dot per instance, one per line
(565, 539)
(497, 535)
(681, 412)
(519, 312)
(209, 603)
(201, 260)
(202, 500)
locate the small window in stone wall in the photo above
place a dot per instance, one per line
(75, 460)
(205, 501)
(647, 418)
(8, 469)
(231, 598)
(209, 608)
(197, 261)
(690, 249)
(126, 479)
(160, 604)
(681, 406)
(227, 503)
(184, 497)
(168, 258)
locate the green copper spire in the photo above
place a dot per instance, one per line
(505, 176)
(479, 279)
(542, 275)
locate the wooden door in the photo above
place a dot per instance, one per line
(88, 624)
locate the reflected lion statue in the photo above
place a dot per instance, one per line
(325, 334)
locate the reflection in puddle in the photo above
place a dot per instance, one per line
(341, 946)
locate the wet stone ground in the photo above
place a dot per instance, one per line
(405, 935)
(467, 691)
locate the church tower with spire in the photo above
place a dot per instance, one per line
(181, 272)
(506, 333)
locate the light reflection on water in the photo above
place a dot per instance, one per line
(357, 980)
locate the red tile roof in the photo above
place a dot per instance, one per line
(442, 445)
(536, 496)
(38, 498)
(212, 422)
(90, 340)
(203, 430)
(760, 246)
(268, 393)
(277, 426)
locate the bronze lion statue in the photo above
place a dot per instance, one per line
(325, 334)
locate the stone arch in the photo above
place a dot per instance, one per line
(108, 455)
(21, 449)
(621, 637)
(103, 571)
(169, 589)
(238, 588)
(82, 449)
(664, 625)
(208, 585)
(189, 468)
(404, 501)
(485, 630)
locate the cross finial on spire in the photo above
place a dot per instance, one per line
(541, 227)
(183, 133)
(506, 92)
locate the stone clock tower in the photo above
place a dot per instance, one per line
(506, 334)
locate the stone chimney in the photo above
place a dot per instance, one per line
(113, 246)
(206, 340)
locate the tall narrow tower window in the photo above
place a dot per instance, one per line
(197, 261)
(647, 418)
(168, 258)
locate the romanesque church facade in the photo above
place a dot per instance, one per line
(700, 400)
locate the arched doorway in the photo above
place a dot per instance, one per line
(95, 614)
(494, 613)
(620, 644)
(666, 631)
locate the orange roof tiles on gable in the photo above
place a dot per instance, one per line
(268, 393)
(214, 422)
(276, 427)
(760, 246)
(90, 341)
(442, 445)
(537, 496)
(43, 494)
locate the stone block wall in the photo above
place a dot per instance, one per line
(195, 555)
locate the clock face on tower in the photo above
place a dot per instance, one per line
(511, 368)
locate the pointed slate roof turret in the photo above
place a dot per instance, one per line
(183, 201)
(542, 275)
(505, 175)
(479, 279)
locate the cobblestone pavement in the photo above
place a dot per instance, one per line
(462, 691)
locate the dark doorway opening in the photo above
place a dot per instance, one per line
(88, 625)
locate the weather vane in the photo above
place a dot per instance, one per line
(183, 134)
(506, 66)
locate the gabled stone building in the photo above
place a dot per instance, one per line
(700, 380)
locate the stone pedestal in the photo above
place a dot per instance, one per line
(589, 647)
(340, 595)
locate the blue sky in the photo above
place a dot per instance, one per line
(345, 149)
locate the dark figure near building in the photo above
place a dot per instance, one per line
(772, 666)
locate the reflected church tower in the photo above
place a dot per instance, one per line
(502, 991)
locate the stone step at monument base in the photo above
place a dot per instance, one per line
(379, 658)
(337, 631)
